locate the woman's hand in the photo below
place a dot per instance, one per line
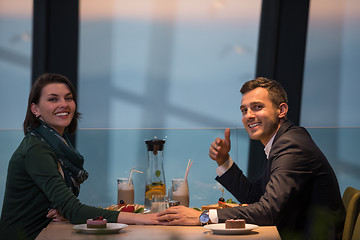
(55, 215)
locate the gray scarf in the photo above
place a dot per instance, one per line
(70, 160)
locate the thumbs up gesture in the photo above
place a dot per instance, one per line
(219, 149)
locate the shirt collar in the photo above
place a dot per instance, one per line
(268, 146)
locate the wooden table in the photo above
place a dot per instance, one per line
(63, 230)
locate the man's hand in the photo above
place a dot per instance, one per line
(55, 215)
(219, 149)
(179, 215)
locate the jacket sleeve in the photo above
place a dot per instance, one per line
(289, 174)
(41, 165)
(239, 186)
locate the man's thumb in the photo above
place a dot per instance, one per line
(227, 136)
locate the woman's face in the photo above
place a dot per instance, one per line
(56, 106)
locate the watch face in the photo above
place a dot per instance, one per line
(204, 217)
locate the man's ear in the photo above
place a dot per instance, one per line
(283, 110)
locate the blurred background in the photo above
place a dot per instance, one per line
(173, 69)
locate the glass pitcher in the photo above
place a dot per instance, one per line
(155, 178)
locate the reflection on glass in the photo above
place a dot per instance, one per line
(331, 69)
(15, 60)
(165, 63)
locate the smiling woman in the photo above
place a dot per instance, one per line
(45, 172)
(52, 100)
(56, 106)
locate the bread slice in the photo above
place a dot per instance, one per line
(118, 208)
(212, 206)
(220, 205)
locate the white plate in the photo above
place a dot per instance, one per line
(110, 228)
(220, 229)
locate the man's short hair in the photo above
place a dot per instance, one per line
(276, 92)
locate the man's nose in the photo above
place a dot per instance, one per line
(249, 113)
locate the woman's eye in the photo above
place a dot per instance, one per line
(52, 99)
(69, 99)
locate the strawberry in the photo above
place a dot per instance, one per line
(128, 208)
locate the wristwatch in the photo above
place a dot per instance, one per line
(204, 217)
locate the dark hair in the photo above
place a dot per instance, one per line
(276, 92)
(31, 121)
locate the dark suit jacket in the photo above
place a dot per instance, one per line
(298, 191)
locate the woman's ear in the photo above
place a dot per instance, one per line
(35, 110)
(283, 110)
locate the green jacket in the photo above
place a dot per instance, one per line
(33, 186)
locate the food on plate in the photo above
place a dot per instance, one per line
(98, 222)
(220, 205)
(121, 203)
(135, 208)
(230, 201)
(234, 223)
(128, 208)
(223, 204)
(227, 201)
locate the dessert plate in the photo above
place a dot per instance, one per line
(220, 229)
(110, 228)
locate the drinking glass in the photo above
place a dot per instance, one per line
(125, 190)
(180, 191)
(159, 203)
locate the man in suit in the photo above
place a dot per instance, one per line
(298, 190)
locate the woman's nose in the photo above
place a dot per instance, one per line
(64, 103)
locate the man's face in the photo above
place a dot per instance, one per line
(260, 118)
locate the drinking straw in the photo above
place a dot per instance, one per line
(187, 169)
(132, 170)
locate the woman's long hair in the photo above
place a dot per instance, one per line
(31, 121)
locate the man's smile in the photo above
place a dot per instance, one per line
(253, 125)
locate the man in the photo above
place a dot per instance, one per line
(298, 191)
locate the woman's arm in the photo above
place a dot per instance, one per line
(137, 218)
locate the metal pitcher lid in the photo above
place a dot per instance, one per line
(158, 143)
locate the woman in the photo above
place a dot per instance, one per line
(45, 171)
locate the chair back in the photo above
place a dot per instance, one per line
(351, 201)
(356, 233)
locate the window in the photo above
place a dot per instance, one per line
(165, 63)
(15, 61)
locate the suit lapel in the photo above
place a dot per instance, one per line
(280, 132)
